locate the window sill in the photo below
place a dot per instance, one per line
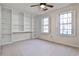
(64, 35)
(43, 33)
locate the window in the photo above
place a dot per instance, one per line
(45, 25)
(66, 23)
(27, 24)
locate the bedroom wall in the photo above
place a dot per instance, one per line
(0, 25)
(53, 36)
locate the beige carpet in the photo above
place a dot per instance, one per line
(38, 47)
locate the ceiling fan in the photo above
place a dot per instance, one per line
(43, 6)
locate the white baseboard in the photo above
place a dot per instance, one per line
(61, 43)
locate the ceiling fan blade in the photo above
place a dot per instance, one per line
(50, 6)
(34, 5)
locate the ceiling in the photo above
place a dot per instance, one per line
(33, 10)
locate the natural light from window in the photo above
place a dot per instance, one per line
(45, 25)
(66, 23)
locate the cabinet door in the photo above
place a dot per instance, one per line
(6, 25)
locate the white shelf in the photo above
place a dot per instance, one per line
(22, 32)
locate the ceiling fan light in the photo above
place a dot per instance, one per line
(43, 6)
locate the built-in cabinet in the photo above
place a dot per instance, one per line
(5, 27)
(21, 26)
(14, 25)
(6, 17)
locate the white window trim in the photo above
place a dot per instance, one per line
(49, 25)
(73, 23)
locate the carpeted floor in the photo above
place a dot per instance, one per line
(36, 47)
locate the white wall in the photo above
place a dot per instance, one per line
(0, 26)
(0, 32)
(36, 26)
(54, 36)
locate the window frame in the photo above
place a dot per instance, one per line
(73, 23)
(29, 24)
(49, 25)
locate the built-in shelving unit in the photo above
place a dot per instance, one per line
(15, 25)
(6, 25)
